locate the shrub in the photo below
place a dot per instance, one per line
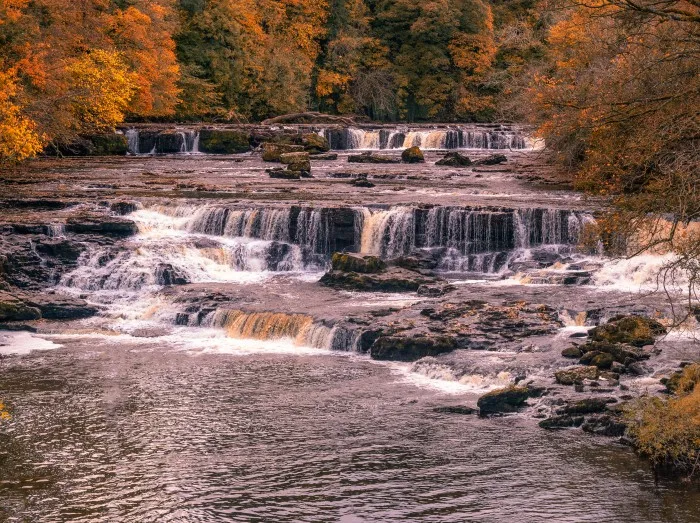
(667, 431)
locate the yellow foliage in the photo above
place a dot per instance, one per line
(4, 414)
(104, 87)
(667, 431)
(18, 137)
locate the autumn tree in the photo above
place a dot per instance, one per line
(618, 101)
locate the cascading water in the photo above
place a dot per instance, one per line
(454, 138)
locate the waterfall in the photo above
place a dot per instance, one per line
(132, 136)
(388, 233)
(313, 231)
(450, 138)
(300, 328)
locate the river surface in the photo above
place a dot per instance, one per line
(118, 432)
(219, 381)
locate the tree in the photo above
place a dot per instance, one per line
(617, 101)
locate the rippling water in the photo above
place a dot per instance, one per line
(105, 432)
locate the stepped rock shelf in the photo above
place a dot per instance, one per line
(464, 266)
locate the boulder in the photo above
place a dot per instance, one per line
(371, 158)
(619, 352)
(576, 375)
(357, 263)
(605, 426)
(393, 279)
(410, 348)
(315, 143)
(123, 208)
(494, 159)
(509, 399)
(412, 155)
(637, 331)
(273, 151)
(454, 160)
(296, 161)
(602, 360)
(223, 141)
(561, 422)
(435, 290)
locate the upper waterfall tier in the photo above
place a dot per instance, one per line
(241, 138)
(457, 137)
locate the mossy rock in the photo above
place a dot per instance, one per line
(683, 382)
(572, 352)
(371, 158)
(110, 144)
(223, 141)
(412, 155)
(315, 143)
(410, 348)
(273, 151)
(298, 161)
(14, 309)
(392, 280)
(509, 399)
(357, 263)
(576, 375)
(621, 353)
(633, 330)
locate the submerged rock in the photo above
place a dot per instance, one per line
(456, 409)
(588, 406)
(410, 348)
(324, 156)
(371, 158)
(494, 159)
(454, 160)
(561, 422)
(223, 141)
(605, 426)
(509, 399)
(412, 155)
(357, 263)
(283, 174)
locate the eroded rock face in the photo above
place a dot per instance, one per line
(410, 348)
(412, 155)
(284, 174)
(296, 161)
(19, 306)
(101, 224)
(14, 309)
(223, 141)
(561, 422)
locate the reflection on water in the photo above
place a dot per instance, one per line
(108, 433)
